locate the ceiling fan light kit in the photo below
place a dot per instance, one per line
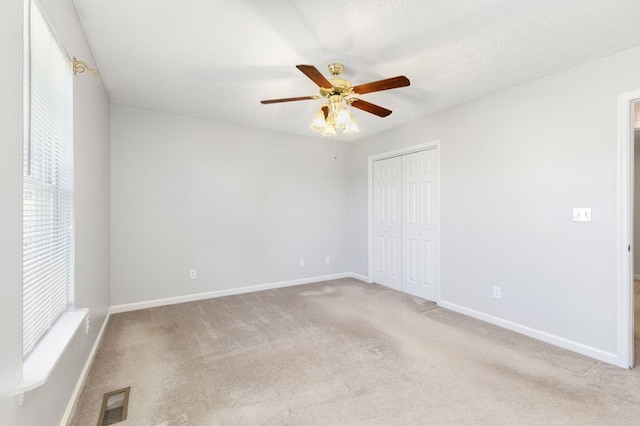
(340, 94)
(337, 117)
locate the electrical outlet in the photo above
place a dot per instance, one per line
(87, 324)
(497, 293)
(192, 274)
(301, 262)
(327, 259)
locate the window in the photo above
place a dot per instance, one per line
(48, 214)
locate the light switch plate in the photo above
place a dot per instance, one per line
(582, 214)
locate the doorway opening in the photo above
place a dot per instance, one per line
(626, 246)
(636, 231)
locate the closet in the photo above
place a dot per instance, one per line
(406, 223)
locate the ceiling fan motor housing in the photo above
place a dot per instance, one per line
(341, 86)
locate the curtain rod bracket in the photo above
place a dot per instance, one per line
(80, 66)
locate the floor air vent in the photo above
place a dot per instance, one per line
(114, 407)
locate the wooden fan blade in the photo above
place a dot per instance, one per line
(301, 98)
(315, 75)
(369, 107)
(386, 84)
(325, 110)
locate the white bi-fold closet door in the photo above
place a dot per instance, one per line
(406, 223)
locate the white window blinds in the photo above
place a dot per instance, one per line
(47, 183)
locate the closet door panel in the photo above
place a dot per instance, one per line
(387, 226)
(420, 224)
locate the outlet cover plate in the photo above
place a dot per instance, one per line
(497, 292)
(582, 214)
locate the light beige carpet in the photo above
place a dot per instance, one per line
(344, 352)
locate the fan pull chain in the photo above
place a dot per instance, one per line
(335, 149)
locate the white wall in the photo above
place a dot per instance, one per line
(238, 204)
(514, 164)
(46, 404)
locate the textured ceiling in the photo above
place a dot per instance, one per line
(218, 59)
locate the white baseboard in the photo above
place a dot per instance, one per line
(580, 348)
(83, 376)
(221, 293)
(360, 277)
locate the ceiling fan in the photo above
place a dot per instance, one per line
(339, 94)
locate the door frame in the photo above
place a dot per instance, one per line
(434, 144)
(625, 247)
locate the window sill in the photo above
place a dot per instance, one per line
(39, 365)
